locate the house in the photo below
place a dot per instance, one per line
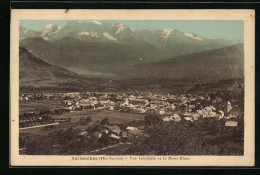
(167, 119)
(228, 107)
(188, 118)
(173, 106)
(61, 120)
(195, 116)
(124, 134)
(175, 117)
(234, 113)
(139, 102)
(77, 105)
(131, 128)
(68, 103)
(84, 133)
(114, 136)
(217, 100)
(126, 103)
(73, 94)
(171, 96)
(153, 106)
(93, 100)
(221, 114)
(141, 128)
(142, 110)
(231, 123)
(208, 111)
(114, 128)
(97, 134)
(191, 106)
(105, 103)
(162, 111)
(147, 103)
(135, 132)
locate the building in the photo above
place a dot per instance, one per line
(227, 107)
(231, 123)
(114, 128)
(234, 113)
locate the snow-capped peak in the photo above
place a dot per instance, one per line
(96, 22)
(132, 29)
(165, 33)
(109, 36)
(24, 30)
(94, 34)
(45, 38)
(49, 26)
(121, 28)
(50, 29)
(83, 33)
(193, 36)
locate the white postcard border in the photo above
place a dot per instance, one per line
(84, 160)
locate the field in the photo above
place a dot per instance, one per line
(113, 116)
(43, 132)
(37, 105)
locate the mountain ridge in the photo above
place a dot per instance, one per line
(36, 72)
(215, 64)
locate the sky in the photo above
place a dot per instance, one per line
(211, 29)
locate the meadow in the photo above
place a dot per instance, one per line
(38, 105)
(113, 116)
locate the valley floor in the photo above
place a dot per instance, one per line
(201, 120)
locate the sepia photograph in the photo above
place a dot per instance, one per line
(129, 87)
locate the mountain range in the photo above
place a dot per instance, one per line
(95, 48)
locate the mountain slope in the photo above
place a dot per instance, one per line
(216, 64)
(100, 57)
(27, 33)
(36, 72)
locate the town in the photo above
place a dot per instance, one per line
(117, 121)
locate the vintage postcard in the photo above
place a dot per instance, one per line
(132, 88)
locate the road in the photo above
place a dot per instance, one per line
(108, 147)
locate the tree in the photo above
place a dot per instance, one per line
(105, 139)
(196, 86)
(170, 138)
(31, 147)
(212, 96)
(94, 128)
(105, 121)
(122, 126)
(152, 119)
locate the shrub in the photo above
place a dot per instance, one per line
(152, 119)
(105, 121)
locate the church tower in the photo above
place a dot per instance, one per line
(228, 107)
